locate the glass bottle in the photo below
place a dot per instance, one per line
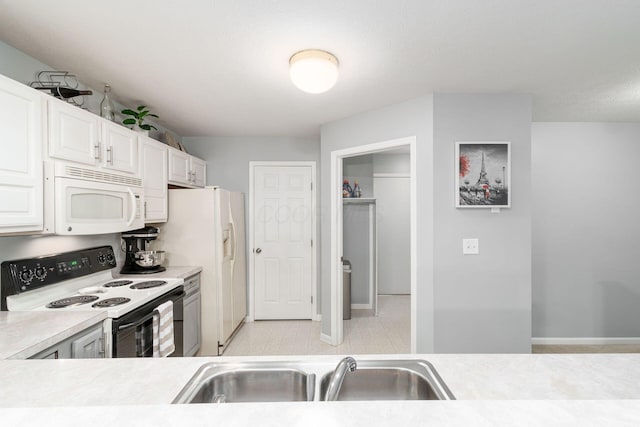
(106, 106)
(356, 189)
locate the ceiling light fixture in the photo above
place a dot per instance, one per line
(313, 70)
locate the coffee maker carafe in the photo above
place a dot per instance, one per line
(139, 260)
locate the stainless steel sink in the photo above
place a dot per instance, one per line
(255, 382)
(390, 380)
(227, 382)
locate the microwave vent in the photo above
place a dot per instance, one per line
(82, 173)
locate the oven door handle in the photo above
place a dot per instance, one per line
(136, 323)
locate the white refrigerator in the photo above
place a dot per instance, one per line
(206, 228)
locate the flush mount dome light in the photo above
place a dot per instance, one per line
(313, 70)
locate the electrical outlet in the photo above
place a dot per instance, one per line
(470, 247)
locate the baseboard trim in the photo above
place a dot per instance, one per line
(585, 341)
(317, 318)
(325, 338)
(360, 306)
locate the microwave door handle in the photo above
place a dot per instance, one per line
(133, 207)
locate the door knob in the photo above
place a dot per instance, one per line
(258, 250)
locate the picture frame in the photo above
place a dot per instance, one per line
(483, 174)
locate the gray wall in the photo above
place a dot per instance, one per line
(391, 163)
(483, 302)
(359, 168)
(23, 68)
(356, 249)
(410, 118)
(228, 164)
(585, 230)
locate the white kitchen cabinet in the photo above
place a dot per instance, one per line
(154, 179)
(192, 330)
(88, 344)
(120, 148)
(73, 133)
(199, 171)
(179, 167)
(21, 135)
(186, 170)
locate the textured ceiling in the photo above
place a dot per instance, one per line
(220, 67)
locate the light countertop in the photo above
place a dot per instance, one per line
(579, 389)
(23, 334)
(181, 272)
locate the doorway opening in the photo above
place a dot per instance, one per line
(387, 181)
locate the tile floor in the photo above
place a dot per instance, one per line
(389, 332)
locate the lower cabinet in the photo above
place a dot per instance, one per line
(88, 344)
(192, 317)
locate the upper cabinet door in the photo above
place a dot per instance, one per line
(120, 150)
(198, 171)
(179, 167)
(154, 178)
(21, 136)
(73, 133)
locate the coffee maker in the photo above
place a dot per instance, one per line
(139, 260)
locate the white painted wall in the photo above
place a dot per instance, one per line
(586, 230)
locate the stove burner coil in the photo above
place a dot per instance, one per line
(148, 284)
(111, 302)
(116, 283)
(72, 301)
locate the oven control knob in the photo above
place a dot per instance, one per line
(41, 273)
(26, 276)
(110, 258)
(101, 259)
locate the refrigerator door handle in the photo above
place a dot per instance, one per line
(233, 240)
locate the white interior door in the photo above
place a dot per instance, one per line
(282, 252)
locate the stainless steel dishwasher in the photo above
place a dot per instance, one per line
(191, 330)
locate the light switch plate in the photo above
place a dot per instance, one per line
(470, 247)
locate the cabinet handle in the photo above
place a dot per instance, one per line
(145, 210)
(110, 156)
(97, 151)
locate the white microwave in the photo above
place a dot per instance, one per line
(85, 206)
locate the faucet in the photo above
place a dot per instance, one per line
(335, 382)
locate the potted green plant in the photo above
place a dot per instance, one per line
(138, 117)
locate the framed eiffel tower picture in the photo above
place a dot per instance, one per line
(483, 174)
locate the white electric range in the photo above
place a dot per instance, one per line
(82, 281)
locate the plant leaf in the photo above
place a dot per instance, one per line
(142, 114)
(129, 112)
(142, 107)
(129, 122)
(148, 127)
(153, 115)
